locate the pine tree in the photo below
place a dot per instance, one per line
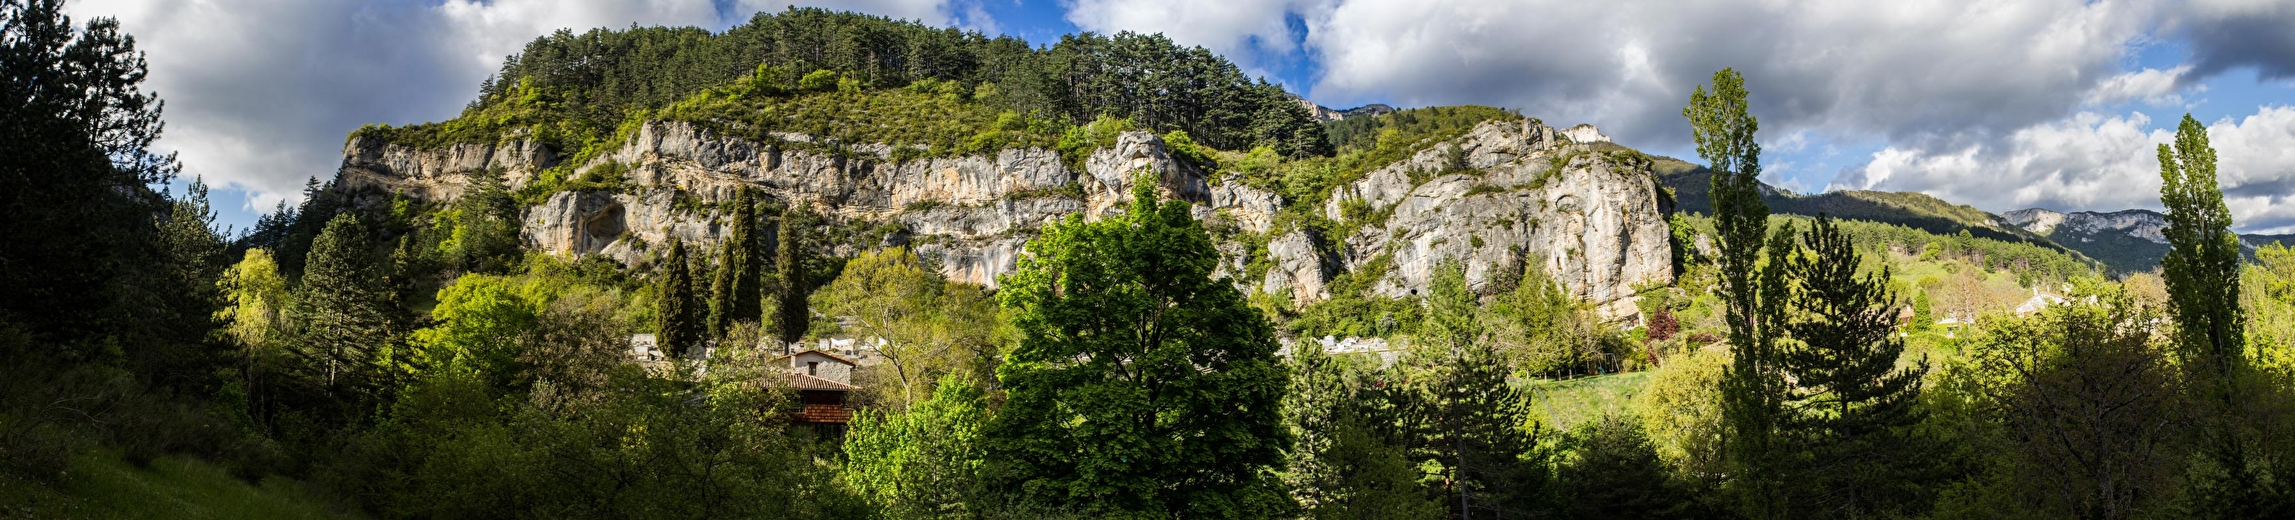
(1469, 421)
(182, 298)
(1724, 128)
(679, 317)
(793, 284)
(1850, 407)
(1347, 459)
(734, 292)
(75, 179)
(485, 234)
(342, 307)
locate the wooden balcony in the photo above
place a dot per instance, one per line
(824, 414)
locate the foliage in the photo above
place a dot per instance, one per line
(1724, 127)
(735, 292)
(1615, 472)
(2086, 398)
(1140, 385)
(76, 183)
(566, 88)
(1849, 404)
(481, 230)
(793, 280)
(1347, 460)
(2270, 306)
(256, 300)
(680, 329)
(922, 462)
(344, 312)
(928, 326)
(1548, 333)
(1682, 413)
(1471, 429)
(1353, 311)
(2202, 264)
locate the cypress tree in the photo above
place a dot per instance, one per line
(676, 311)
(734, 292)
(793, 316)
(343, 306)
(1850, 406)
(1724, 127)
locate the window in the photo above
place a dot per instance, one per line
(812, 368)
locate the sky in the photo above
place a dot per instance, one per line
(2003, 105)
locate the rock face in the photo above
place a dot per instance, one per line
(2143, 224)
(438, 173)
(1590, 221)
(1529, 197)
(1586, 134)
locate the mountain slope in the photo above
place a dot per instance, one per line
(1689, 182)
(2126, 241)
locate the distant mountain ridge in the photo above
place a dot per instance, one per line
(1325, 114)
(1689, 183)
(2126, 241)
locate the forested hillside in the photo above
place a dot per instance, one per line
(828, 265)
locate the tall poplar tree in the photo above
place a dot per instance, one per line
(2246, 467)
(2202, 263)
(1723, 125)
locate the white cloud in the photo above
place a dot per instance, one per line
(2097, 161)
(2151, 86)
(1241, 30)
(1937, 70)
(260, 93)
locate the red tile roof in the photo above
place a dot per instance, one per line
(805, 382)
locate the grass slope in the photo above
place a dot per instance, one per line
(102, 486)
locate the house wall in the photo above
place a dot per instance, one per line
(830, 368)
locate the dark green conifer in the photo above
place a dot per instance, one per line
(793, 278)
(679, 327)
(734, 292)
(343, 306)
(1851, 408)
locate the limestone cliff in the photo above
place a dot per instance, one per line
(1527, 197)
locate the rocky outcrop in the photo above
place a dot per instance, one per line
(2142, 224)
(1589, 220)
(1530, 196)
(437, 173)
(1586, 134)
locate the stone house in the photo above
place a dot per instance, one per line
(822, 381)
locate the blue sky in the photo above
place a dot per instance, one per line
(2002, 105)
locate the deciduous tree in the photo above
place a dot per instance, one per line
(1140, 385)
